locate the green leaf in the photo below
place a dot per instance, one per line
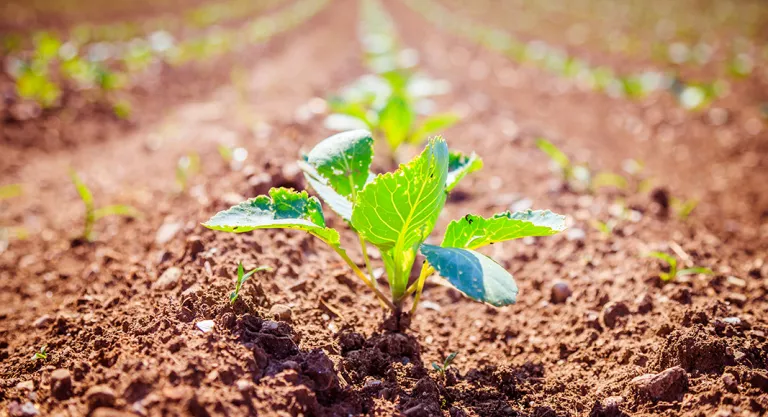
(459, 165)
(474, 231)
(116, 210)
(609, 179)
(82, 190)
(350, 108)
(283, 208)
(399, 209)
(395, 120)
(554, 153)
(431, 125)
(344, 160)
(695, 270)
(340, 204)
(474, 274)
(671, 260)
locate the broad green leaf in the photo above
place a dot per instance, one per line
(399, 209)
(395, 120)
(283, 208)
(340, 204)
(459, 165)
(554, 153)
(344, 160)
(474, 231)
(474, 274)
(431, 125)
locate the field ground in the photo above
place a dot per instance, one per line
(119, 314)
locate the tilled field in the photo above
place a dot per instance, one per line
(595, 331)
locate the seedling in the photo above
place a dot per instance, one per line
(606, 228)
(93, 214)
(673, 271)
(186, 167)
(10, 191)
(241, 277)
(683, 208)
(578, 176)
(396, 213)
(446, 363)
(41, 354)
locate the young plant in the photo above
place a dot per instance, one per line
(10, 191)
(93, 214)
(395, 212)
(241, 277)
(42, 354)
(186, 167)
(673, 271)
(578, 176)
(683, 208)
(446, 363)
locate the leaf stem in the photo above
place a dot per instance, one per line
(426, 270)
(362, 276)
(364, 249)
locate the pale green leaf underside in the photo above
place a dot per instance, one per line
(474, 231)
(459, 165)
(474, 274)
(282, 209)
(338, 203)
(432, 125)
(344, 160)
(399, 209)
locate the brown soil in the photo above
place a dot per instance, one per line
(119, 315)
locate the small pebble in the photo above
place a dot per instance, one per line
(166, 232)
(612, 312)
(168, 279)
(281, 312)
(729, 381)
(26, 385)
(668, 385)
(205, 325)
(61, 383)
(100, 395)
(42, 321)
(560, 292)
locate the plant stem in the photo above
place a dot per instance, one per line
(364, 249)
(426, 270)
(362, 276)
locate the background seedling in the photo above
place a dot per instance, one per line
(683, 208)
(395, 212)
(186, 167)
(10, 191)
(578, 176)
(93, 214)
(673, 271)
(242, 276)
(41, 354)
(446, 363)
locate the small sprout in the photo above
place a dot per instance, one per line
(446, 363)
(395, 212)
(579, 176)
(606, 228)
(42, 354)
(241, 277)
(10, 191)
(683, 208)
(186, 167)
(122, 109)
(673, 271)
(92, 214)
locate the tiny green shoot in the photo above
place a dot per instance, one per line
(395, 212)
(579, 177)
(41, 354)
(10, 191)
(93, 214)
(186, 167)
(683, 208)
(446, 364)
(242, 276)
(673, 271)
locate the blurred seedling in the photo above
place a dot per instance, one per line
(606, 228)
(41, 354)
(10, 191)
(186, 167)
(233, 156)
(242, 276)
(446, 364)
(395, 212)
(673, 271)
(93, 214)
(683, 208)
(578, 176)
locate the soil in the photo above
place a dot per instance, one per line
(595, 331)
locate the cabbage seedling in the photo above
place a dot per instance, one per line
(578, 176)
(673, 271)
(41, 354)
(241, 277)
(92, 214)
(186, 167)
(446, 363)
(395, 212)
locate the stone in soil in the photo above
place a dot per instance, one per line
(281, 312)
(668, 385)
(168, 279)
(100, 396)
(61, 384)
(613, 312)
(560, 292)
